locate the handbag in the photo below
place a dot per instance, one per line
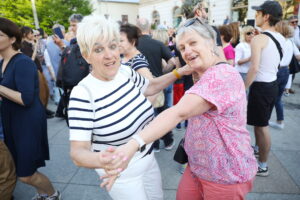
(180, 155)
(160, 100)
(294, 65)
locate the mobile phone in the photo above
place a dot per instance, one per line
(57, 31)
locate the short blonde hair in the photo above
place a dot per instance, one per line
(245, 30)
(94, 28)
(284, 28)
(161, 35)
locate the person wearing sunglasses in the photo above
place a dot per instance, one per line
(243, 51)
(293, 21)
(221, 164)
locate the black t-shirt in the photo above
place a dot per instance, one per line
(154, 51)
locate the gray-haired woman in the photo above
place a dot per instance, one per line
(109, 107)
(221, 164)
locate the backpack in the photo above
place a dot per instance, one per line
(73, 67)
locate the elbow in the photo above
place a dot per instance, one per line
(74, 158)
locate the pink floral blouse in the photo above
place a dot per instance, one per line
(217, 142)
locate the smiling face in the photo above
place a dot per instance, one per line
(125, 45)
(105, 60)
(195, 50)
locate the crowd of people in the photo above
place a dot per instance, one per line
(113, 83)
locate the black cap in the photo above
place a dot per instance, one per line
(270, 7)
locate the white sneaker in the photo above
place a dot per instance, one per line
(276, 125)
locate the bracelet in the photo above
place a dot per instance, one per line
(175, 72)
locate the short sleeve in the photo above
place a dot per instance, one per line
(295, 50)
(221, 87)
(26, 79)
(138, 80)
(229, 52)
(80, 115)
(139, 62)
(166, 53)
(238, 53)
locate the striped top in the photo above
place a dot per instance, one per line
(137, 62)
(120, 109)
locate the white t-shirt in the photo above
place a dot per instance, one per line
(121, 110)
(289, 49)
(270, 59)
(242, 51)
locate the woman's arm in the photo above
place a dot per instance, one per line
(82, 155)
(160, 83)
(12, 95)
(49, 65)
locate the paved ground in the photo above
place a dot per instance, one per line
(83, 184)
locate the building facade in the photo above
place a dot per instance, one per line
(125, 11)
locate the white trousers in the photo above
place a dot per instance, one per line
(140, 181)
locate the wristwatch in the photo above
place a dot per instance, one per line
(140, 141)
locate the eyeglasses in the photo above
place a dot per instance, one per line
(294, 22)
(249, 33)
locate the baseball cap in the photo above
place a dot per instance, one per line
(270, 7)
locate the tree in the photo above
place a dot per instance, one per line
(49, 12)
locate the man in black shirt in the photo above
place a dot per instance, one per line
(155, 51)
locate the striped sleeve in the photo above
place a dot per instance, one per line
(138, 80)
(139, 62)
(80, 115)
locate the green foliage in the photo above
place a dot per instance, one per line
(49, 11)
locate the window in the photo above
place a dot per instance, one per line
(124, 19)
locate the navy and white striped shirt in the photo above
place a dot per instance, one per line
(137, 62)
(121, 109)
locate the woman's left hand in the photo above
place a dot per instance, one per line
(108, 181)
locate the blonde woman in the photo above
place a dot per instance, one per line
(243, 51)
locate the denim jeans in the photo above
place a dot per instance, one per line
(282, 79)
(169, 96)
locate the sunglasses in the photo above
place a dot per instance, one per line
(249, 33)
(206, 10)
(191, 22)
(294, 22)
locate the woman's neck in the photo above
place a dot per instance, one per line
(8, 53)
(130, 54)
(27, 40)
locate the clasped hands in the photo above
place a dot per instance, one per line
(115, 160)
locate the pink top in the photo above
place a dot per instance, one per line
(229, 52)
(217, 142)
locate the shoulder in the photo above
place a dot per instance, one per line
(23, 60)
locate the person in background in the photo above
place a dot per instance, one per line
(129, 35)
(289, 49)
(155, 51)
(243, 51)
(293, 21)
(261, 79)
(23, 115)
(235, 31)
(163, 36)
(30, 47)
(54, 52)
(221, 164)
(226, 35)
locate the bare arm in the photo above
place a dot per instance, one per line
(257, 44)
(11, 95)
(82, 155)
(170, 65)
(159, 83)
(243, 61)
